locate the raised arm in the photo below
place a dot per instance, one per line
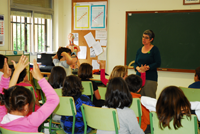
(102, 75)
(52, 99)
(67, 57)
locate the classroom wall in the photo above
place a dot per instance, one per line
(116, 22)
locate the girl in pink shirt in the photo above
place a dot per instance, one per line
(17, 100)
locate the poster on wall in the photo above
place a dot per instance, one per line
(81, 17)
(97, 16)
(90, 15)
(2, 31)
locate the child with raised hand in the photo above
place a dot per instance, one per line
(85, 73)
(17, 100)
(118, 96)
(119, 71)
(134, 83)
(72, 87)
(171, 104)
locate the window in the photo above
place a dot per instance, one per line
(31, 25)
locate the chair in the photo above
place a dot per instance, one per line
(100, 118)
(102, 92)
(136, 107)
(66, 107)
(37, 86)
(189, 126)
(192, 94)
(58, 91)
(88, 88)
(6, 131)
(31, 88)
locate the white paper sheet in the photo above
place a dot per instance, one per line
(83, 52)
(89, 39)
(97, 48)
(103, 42)
(101, 34)
(95, 65)
(102, 56)
(92, 53)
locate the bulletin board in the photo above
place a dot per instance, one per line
(90, 17)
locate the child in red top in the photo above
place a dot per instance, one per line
(134, 83)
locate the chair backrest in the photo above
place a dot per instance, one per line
(102, 92)
(6, 131)
(31, 88)
(88, 88)
(58, 91)
(136, 107)
(100, 118)
(192, 94)
(189, 126)
(67, 107)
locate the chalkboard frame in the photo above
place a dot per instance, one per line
(158, 11)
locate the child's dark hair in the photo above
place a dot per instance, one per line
(72, 86)
(2, 57)
(197, 72)
(21, 75)
(172, 104)
(85, 71)
(134, 82)
(117, 94)
(16, 97)
(63, 49)
(57, 76)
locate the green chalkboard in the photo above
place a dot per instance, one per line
(177, 35)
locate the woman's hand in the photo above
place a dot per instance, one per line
(7, 70)
(36, 71)
(101, 63)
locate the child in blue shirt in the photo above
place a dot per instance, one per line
(196, 84)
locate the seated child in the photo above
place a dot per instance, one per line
(171, 104)
(72, 87)
(2, 57)
(57, 77)
(23, 81)
(134, 83)
(118, 96)
(196, 84)
(17, 100)
(85, 73)
(118, 71)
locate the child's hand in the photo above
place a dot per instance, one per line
(36, 71)
(19, 67)
(7, 70)
(101, 63)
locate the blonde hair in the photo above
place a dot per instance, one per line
(118, 71)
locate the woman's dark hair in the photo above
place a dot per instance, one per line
(72, 86)
(117, 94)
(57, 76)
(150, 33)
(63, 49)
(172, 105)
(197, 72)
(85, 71)
(16, 97)
(134, 82)
(21, 75)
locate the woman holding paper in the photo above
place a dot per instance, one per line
(148, 55)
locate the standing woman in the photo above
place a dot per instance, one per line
(148, 55)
